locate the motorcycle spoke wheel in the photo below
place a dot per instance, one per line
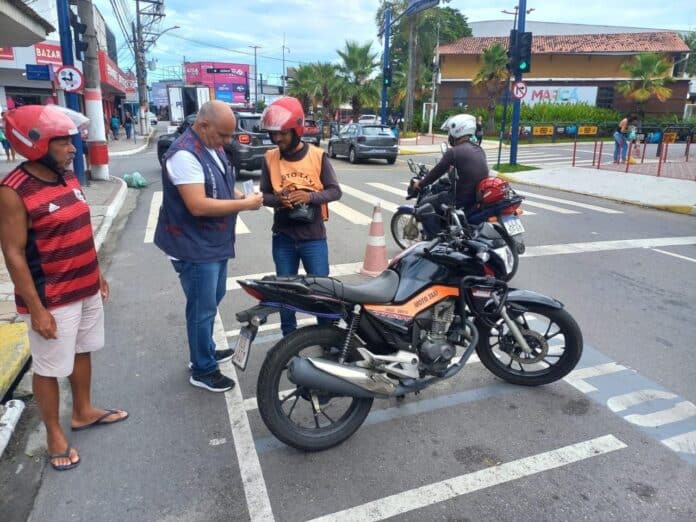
(305, 418)
(552, 335)
(405, 229)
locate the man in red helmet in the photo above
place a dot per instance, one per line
(46, 238)
(298, 181)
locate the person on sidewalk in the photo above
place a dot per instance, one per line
(115, 125)
(196, 230)
(6, 145)
(479, 130)
(298, 181)
(47, 241)
(621, 138)
(128, 124)
(470, 161)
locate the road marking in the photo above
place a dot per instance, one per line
(347, 213)
(678, 256)
(155, 205)
(272, 327)
(448, 489)
(603, 246)
(684, 443)
(628, 400)
(551, 208)
(241, 228)
(369, 198)
(255, 491)
(571, 203)
(389, 188)
(679, 412)
(577, 378)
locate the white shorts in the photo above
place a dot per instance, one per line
(80, 329)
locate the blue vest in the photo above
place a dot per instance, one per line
(187, 237)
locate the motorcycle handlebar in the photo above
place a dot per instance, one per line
(431, 244)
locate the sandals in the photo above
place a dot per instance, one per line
(101, 421)
(66, 455)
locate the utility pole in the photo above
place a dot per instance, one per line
(411, 79)
(256, 83)
(283, 77)
(140, 70)
(436, 71)
(93, 96)
(514, 136)
(386, 68)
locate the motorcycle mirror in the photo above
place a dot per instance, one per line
(443, 147)
(425, 210)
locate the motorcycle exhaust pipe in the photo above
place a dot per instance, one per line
(339, 379)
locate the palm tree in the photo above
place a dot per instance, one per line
(302, 86)
(493, 77)
(327, 88)
(358, 64)
(649, 74)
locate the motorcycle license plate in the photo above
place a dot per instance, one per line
(513, 225)
(243, 348)
(267, 142)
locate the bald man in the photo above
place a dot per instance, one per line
(196, 230)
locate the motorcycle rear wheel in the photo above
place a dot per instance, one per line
(405, 229)
(542, 328)
(277, 413)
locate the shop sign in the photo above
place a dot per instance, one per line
(48, 53)
(110, 74)
(6, 53)
(566, 94)
(38, 72)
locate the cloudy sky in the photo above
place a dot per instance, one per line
(223, 30)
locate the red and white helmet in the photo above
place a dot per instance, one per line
(31, 128)
(492, 190)
(285, 113)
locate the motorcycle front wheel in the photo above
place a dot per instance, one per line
(405, 229)
(289, 411)
(553, 336)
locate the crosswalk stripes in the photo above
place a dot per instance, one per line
(369, 198)
(570, 203)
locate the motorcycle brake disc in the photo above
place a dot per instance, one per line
(536, 341)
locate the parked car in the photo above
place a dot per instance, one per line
(312, 132)
(248, 145)
(359, 142)
(369, 119)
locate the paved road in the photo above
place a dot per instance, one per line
(615, 440)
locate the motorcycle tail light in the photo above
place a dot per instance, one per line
(253, 292)
(519, 212)
(492, 219)
(244, 139)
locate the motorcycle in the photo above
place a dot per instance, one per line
(413, 326)
(499, 204)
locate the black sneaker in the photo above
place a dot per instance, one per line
(215, 382)
(221, 356)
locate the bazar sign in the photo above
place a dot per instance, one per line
(560, 95)
(110, 74)
(47, 53)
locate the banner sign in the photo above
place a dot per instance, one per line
(38, 72)
(566, 94)
(110, 74)
(48, 54)
(227, 80)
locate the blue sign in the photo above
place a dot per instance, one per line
(38, 72)
(416, 6)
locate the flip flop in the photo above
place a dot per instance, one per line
(101, 421)
(63, 467)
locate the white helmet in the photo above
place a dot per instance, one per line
(460, 125)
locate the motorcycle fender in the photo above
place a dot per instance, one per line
(407, 209)
(261, 312)
(527, 297)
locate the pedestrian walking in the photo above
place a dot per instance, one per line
(47, 242)
(128, 124)
(621, 138)
(196, 230)
(6, 145)
(115, 126)
(479, 130)
(298, 181)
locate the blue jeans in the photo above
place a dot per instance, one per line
(204, 286)
(620, 145)
(128, 127)
(287, 254)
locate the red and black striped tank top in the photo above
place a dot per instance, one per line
(60, 248)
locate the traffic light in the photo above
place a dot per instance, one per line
(387, 76)
(512, 52)
(524, 53)
(78, 36)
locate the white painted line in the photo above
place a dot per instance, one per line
(603, 246)
(241, 228)
(685, 443)
(347, 213)
(678, 256)
(679, 412)
(577, 378)
(571, 203)
(388, 188)
(628, 400)
(255, 491)
(369, 198)
(430, 494)
(334, 271)
(552, 208)
(155, 205)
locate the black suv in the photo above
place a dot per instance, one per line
(248, 145)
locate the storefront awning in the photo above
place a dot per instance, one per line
(21, 25)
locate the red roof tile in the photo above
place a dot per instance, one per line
(619, 43)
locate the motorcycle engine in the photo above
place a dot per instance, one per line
(435, 350)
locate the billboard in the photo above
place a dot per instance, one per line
(557, 94)
(227, 80)
(48, 54)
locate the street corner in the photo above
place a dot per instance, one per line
(14, 352)
(679, 209)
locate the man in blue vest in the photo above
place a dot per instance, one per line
(196, 230)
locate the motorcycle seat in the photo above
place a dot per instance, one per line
(380, 290)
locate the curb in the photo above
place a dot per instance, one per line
(111, 212)
(134, 151)
(14, 352)
(413, 152)
(677, 209)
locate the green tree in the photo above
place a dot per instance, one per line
(302, 86)
(493, 77)
(649, 73)
(358, 64)
(328, 88)
(690, 40)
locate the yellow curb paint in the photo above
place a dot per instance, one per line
(14, 352)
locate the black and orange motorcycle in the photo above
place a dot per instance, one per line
(414, 325)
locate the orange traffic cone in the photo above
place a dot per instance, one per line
(376, 251)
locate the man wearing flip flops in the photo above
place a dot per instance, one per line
(47, 241)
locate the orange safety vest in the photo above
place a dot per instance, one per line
(304, 174)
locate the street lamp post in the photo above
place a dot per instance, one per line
(283, 76)
(256, 83)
